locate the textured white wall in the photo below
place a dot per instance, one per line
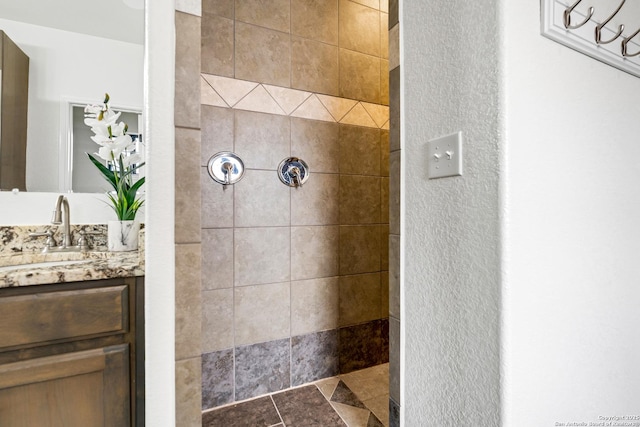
(572, 232)
(451, 226)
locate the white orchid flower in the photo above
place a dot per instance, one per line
(131, 160)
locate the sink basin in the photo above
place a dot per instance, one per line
(44, 264)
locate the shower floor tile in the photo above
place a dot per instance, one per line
(357, 399)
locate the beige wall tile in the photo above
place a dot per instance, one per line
(359, 76)
(316, 203)
(313, 109)
(188, 301)
(217, 258)
(314, 252)
(261, 200)
(384, 35)
(261, 255)
(262, 55)
(317, 143)
(193, 7)
(384, 292)
(217, 131)
(360, 298)
(262, 140)
(384, 82)
(379, 113)
(262, 313)
(187, 79)
(217, 320)
(384, 6)
(359, 150)
(359, 199)
(315, 19)
(394, 193)
(394, 276)
(273, 14)
(217, 45)
(288, 99)
(384, 247)
(231, 90)
(187, 185)
(314, 66)
(338, 107)
(217, 202)
(259, 100)
(375, 4)
(314, 305)
(359, 249)
(359, 28)
(384, 153)
(218, 7)
(188, 392)
(358, 116)
(384, 200)
(394, 47)
(394, 109)
(208, 95)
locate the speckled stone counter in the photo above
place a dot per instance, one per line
(22, 262)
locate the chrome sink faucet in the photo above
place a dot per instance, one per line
(62, 204)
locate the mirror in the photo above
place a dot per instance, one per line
(77, 50)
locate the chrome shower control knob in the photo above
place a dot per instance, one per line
(293, 172)
(225, 168)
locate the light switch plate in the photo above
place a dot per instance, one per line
(445, 156)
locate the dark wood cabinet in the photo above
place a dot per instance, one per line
(72, 355)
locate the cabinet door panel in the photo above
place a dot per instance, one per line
(87, 388)
(48, 316)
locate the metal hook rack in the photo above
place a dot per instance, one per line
(563, 21)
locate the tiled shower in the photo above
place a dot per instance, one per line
(278, 286)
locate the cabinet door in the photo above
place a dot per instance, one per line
(84, 389)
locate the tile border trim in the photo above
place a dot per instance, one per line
(245, 95)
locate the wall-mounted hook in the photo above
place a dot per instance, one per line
(567, 16)
(293, 172)
(626, 41)
(225, 168)
(600, 26)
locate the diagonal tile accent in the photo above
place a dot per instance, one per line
(208, 96)
(305, 406)
(231, 90)
(338, 107)
(358, 116)
(313, 109)
(385, 126)
(379, 113)
(354, 417)
(288, 99)
(343, 394)
(374, 421)
(260, 101)
(328, 386)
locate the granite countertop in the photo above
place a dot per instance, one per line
(22, 262)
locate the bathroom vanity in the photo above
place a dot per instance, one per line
(71, 341)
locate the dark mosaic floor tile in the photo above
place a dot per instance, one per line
(262, 368)
(359, 346)
(394, 414)
(374, 421)
(314, 356)
(306, 407)
(343, 394)
(217, 378)
(254, 413)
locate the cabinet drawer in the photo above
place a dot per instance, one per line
(52, 316)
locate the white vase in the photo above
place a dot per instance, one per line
(122, 236)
